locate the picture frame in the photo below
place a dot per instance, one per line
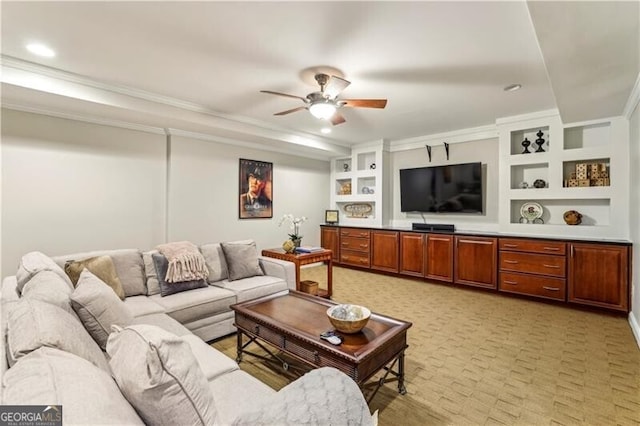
(331, 217)
(255, 189)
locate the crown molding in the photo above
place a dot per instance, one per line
(633, 101)
(156, 102)
(457, 136)
(84, 118)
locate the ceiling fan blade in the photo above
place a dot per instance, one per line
(283, 94)
(335, 86)
(364, 103)
(289, 111)
(337, 118)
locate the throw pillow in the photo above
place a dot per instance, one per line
(153, 286)
(98, 307)
(51, 376)
(162, 264)
(47, 286)
(32, 324)
(217, 265)
(34, 262)
(242, 259)
(157, 372)
(101, 266)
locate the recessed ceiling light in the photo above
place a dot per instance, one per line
(325, 130)
(41, 50)
(513, 87)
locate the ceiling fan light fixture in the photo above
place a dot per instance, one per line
(322, 110)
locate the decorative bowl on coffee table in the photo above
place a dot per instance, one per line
(347, 318)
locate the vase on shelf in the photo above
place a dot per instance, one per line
(540, 141)
(525, 143)
(296, 242)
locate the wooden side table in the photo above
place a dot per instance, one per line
(299, 259)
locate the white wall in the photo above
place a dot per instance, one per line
(70, 186)
(485, 151)
(634, 222)
(204, 197)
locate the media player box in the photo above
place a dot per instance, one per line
(432, 227)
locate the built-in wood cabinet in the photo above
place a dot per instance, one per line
(439, 257)
(585, 273)
(412, 255)
(355, 245)
(599, 275)
(533, 268)
(475, 261)
(330, 239)
(385, 250)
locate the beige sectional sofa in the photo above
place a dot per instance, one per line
(144, 359)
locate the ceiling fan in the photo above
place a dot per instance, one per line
(325, 103)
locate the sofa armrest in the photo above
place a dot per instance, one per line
(321, 397)
(8, 293)
(279, 268)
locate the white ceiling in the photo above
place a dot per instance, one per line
(199, 66)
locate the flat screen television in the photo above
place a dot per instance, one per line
(453, 188)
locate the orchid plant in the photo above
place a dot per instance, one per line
(294, 225)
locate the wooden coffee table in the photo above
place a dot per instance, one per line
(292, 323)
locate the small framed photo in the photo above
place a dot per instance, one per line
(331, 217)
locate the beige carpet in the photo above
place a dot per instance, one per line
(477, 358)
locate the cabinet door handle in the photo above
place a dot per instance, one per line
(363, 261)
(510, 282)
(510, 245)
(345, 243)
(511, 261)
(551, 248)
(364, 245)
(550, 266)
(551, 288)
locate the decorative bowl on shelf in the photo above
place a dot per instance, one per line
(348, 319)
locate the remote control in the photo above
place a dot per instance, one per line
(331, 337)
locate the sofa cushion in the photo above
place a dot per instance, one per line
(98, 307)
(242, 259)
(254, 287)
(193, 305)
(47, 286)
(128, 263)
(49, 376)
(216, 263)
(153, 286)
(212, 362)
(166, 288)
(32, 324)
(101, 266)
(142, 305)
(34, 262)
(165, 322)
(158, 374)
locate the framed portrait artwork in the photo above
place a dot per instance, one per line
(256, 189)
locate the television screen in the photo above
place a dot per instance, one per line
(442, 189)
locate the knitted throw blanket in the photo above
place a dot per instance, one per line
(186, 263)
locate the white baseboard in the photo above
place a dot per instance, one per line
(635, 327)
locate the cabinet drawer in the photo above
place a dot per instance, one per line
(543, 264)
(533, 246)
(547, 287)
(355, 233)
(354, 258)
(356, 244)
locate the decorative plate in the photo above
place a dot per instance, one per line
(531, 211)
